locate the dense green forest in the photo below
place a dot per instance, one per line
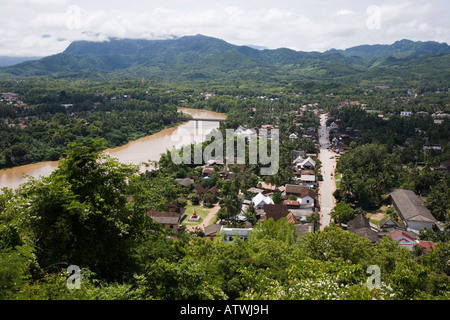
(52, 114)
(202, 59)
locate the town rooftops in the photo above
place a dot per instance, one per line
(302, 229)
(212, 229)
(186, 182)
(290, 218)
(255, 190)
(199, 189)
(403, 234)
(388, 221)
(261, 198)
(275, 211)
(165, 217)
(301, 191)
(243, 232)
(360, 225)
(410, 207)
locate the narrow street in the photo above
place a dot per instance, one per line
(328, 185)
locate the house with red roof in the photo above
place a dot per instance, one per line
(404, 239)
(408, 241)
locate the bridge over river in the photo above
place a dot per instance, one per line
(195, 119)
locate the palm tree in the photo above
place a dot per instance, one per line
(315, 219)
(418, 251)
(231, 204)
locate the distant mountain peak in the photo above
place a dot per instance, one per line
(403, 47)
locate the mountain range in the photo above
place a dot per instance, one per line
(10, 61)
(201, 58)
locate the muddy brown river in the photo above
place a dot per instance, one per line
(139, 152)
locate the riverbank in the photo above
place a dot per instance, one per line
(138, 152)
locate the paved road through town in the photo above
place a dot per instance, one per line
(328, 185)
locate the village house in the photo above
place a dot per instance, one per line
(360, 225)
(207, 171)
(244, 132)
(291, 204)
(422, 114)
(212, 232)
(170, 220)
(411, 210)
(260, 200)
(302, 214)
(404, 239)
(290, 218)
(297, 161)
(308, 178)
(409, 241)
(231, 234)
(274, 211)
(201, 191)
(267, 187)
(186, 182)
(175, 208)
(389, 224)
(294, 154)
(303, 228)
(435, 147)
(255, 190)
(305, 196)
(266, 129)
(335, 141)
(333, 126)
(307, 163)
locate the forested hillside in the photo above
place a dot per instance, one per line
(204, 59)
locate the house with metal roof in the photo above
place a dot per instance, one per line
(360, 225)
(230, 234)
(170, 220)
(412, 211)
(260, 200)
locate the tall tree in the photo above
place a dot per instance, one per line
(80, 214)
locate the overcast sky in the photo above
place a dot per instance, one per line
(45, 27)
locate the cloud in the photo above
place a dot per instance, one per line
(345, 12)
(300, 25)
(41, 4)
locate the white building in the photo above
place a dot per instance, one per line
(260, 200)
(230, 234)
(308, 180)
(308, 163)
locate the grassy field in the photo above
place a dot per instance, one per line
(199, 210)
(375, 216)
